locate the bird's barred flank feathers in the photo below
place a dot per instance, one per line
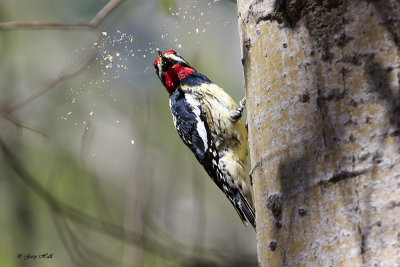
(208, 122)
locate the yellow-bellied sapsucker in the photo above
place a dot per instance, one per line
(208, 121)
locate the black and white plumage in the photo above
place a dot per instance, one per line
(208, 121)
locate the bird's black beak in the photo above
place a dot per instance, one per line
(159, 53)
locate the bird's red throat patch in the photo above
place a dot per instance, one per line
(174, 75)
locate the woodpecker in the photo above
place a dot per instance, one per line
(209, 123)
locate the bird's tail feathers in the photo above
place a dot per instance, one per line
(244, 209)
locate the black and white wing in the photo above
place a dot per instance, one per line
(190, 123)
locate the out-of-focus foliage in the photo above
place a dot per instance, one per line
(92, 171)
(166, 5)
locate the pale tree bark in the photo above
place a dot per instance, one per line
(323, 101)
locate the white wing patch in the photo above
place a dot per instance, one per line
(173, 117)
(200, 127)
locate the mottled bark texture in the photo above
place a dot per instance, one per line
(323, 101)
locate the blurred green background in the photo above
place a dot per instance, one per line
(92, 171)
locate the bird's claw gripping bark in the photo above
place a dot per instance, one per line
(237, 114)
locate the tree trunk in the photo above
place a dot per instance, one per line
(322, 86)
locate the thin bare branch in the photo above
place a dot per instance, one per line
(84, 219)
(164, 250)
(110, 6)
(35, 25)
(20, 124)
(48, 85)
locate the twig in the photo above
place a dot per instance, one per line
(100, 16)
(110, 229)
(19, 124)
(110, 6)
(48, 85)
(83, 219)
